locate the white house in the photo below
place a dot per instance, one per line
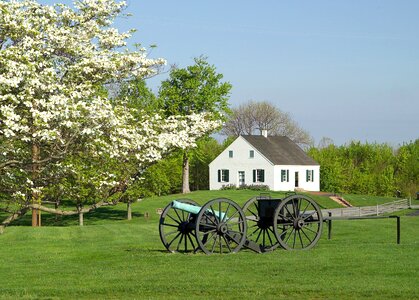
(275, 161)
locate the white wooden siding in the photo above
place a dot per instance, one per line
(240, 161)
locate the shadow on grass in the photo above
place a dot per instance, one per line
(414, 213)
(96, 217)
(142, 250)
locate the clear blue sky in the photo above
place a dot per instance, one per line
(347, 70)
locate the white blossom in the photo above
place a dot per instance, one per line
(52, 60)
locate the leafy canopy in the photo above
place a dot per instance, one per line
(195, 89)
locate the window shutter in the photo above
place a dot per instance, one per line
(254, 175)
(307, 175)
(219, 175)
(288, 175)
(227, 175)
(262, 175)
(312, 175)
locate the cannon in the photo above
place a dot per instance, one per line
(294, 223)
(222, 226)
(218, 226)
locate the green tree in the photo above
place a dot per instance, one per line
(406, 170)
(331, 168)
(368, 168)
(195, 89)
(164, 177)
(206, 151)
(138, 95)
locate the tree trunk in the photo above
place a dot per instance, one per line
(80, 209)
(34, 217)
(129, 211)
(38, 207)
(36, 155)
(57, 203)
(185, 174)
(81, 219)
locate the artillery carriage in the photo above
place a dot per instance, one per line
(222, 226)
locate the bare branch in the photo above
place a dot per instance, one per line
(13, 217)
(253, 117)
(71, 212)
(9, 163)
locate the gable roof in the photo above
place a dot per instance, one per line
(280, 150)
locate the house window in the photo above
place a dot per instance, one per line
(251, 154)
(230, 153)
(223, 175)
(285, 175)
(259, 175)
(310, 175)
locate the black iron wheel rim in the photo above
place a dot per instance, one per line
(218, 233)
(298, 223)
(176, 232)
(259, 231)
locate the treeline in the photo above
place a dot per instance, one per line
(165, 177)
(374, 169)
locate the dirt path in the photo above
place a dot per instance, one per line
(334, 197)
(341, 201)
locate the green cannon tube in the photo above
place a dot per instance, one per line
(195, 209)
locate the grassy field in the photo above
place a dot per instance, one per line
(112, 258)
(366, 200)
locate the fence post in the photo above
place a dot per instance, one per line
(398, 230)
(359, 211)
(377, 210)
(329, 223)
(410, 202)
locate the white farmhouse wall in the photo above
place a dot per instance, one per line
(240, 161)
(290, 185)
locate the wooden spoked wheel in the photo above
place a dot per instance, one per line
(177, 228)
(298, 223)
(260, 227)
(220, 227)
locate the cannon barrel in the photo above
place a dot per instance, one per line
(194, 209)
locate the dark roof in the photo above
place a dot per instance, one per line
(279, 150)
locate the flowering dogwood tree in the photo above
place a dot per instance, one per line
(59, 132)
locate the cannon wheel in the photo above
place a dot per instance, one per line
(176, 232)
(259, 231)
(298, 222)
(220, 227)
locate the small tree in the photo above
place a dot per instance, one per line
(206, 151)
(194, 89)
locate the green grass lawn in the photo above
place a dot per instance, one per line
(112, 258)
(368, 200)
